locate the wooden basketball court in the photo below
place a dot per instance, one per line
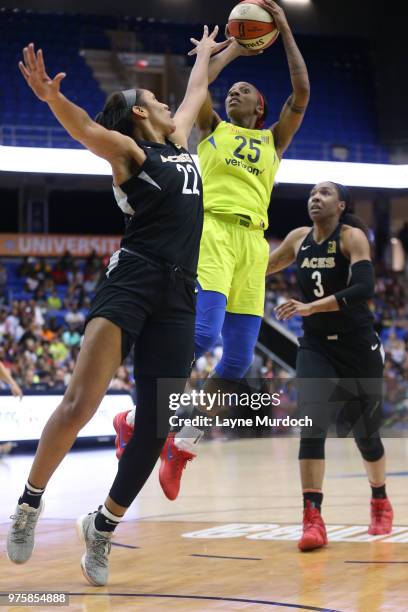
(228, 542)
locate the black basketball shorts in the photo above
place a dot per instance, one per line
(340, 380)
(153, 303)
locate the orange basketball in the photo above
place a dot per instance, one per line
(252, 26)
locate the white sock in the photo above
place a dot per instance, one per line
(109, 515)
(187, 438)
(130, 417)
(33, 489)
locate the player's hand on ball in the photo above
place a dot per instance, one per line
(239, 49)
(289, 309)
(277, 13)
(208, 42)
(33, 70)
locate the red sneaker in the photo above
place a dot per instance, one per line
(314, 530)
(124, 432)
(173, 462)
(381, 517)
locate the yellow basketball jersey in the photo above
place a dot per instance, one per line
(238, 168)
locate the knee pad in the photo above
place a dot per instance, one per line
(371, 449)
(312, 448)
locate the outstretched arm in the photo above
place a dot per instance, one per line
(197, 87)
(208, 119)
(108, 144)
(6, 377)
(293, 111)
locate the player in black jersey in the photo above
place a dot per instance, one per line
(340, 359)
(147, 297)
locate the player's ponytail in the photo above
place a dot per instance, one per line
(117, 112)
(348, 217)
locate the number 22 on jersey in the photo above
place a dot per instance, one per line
(189, 173)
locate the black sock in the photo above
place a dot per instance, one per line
(31, 496)
(105, 520)
(315, 498)
(379, 492)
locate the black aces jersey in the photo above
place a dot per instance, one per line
(163, 205)
(323, 270)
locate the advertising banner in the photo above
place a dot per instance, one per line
(55, 245)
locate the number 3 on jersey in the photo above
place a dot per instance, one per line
(319, 290)
(188, 169)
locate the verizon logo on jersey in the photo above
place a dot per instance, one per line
(247, 167)
(183, 157)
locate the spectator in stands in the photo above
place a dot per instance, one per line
(3, 283)
(3, 324)
(66, 262)
(58, 350)
(12, 321)
(40, 296)
(30, 321)
(268, 370)
(59, 275)
(74, 316)
(54, 302)
(403, 236)
(27, 267)
(93, 263)
(30, 333)
(32, 282)
(121, 381)
(395, 346)
(71, 336)
(91, 281)
(76, 293)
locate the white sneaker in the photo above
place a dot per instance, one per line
(20, 537)
(95, 561)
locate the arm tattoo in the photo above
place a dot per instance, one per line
(294, 107)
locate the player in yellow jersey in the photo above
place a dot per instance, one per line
(239, 159)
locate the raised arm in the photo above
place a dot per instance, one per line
(208, 118)
(108, 144)
(197, 87)
(293, 111)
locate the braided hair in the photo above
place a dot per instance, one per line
(117, 112)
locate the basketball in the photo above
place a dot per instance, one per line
(252, 26)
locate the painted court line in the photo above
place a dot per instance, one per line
(260, 602)
(383, 562)
(124, 545)
(225, 557)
